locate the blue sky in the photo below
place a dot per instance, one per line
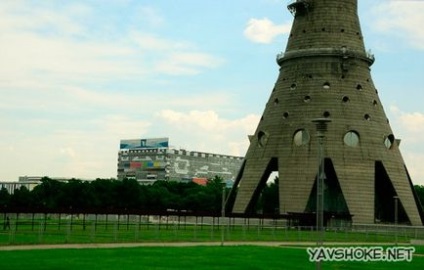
(78, 76)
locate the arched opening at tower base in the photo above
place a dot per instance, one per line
(416, 198)
(386, 199)
(268, 201)
(334, 201)
(272, 167)
(336, 211)
(265, 198)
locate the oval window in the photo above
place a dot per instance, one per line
(389, 140)
(262, 138)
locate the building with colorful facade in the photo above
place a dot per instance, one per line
(149, 160)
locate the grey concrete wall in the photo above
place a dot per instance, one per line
(325, 73)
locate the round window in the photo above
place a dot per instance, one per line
(351, 138)
(367, 117)
(345, 99)
(301, 137)
(307, 99)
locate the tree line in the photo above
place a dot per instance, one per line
(113, 195)
(106, 195)
(128, 195)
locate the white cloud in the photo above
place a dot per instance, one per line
(22, 16)
(150, 42)
(175, 57)
(264, 30)
(68, 151)
(403, 19)
(409, 127)
(209, 132)
(75, 87)
(187, 63)
(411, 124)
(30, 56)
(67, 44)
(123, 126)
(76, 131)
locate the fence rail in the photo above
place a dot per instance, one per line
(44, 228)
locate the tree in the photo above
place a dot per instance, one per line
(419, 190)
(21, 198)
(127, 194)
(76, 194)
(215, 188)
(4, 198)
(160, 196)
(47, 194)
(103, 195)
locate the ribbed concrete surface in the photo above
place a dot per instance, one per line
(325, 72)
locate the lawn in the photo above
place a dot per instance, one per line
(201, 257)
(57, 231)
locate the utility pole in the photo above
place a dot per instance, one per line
(321, 126)
(396, 198)
(223, 214)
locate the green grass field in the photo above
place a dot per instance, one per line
(216, 257)
(53, 231)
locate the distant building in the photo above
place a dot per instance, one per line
(11, 186)
(149, 160)
(59, 179)
(30, 182)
